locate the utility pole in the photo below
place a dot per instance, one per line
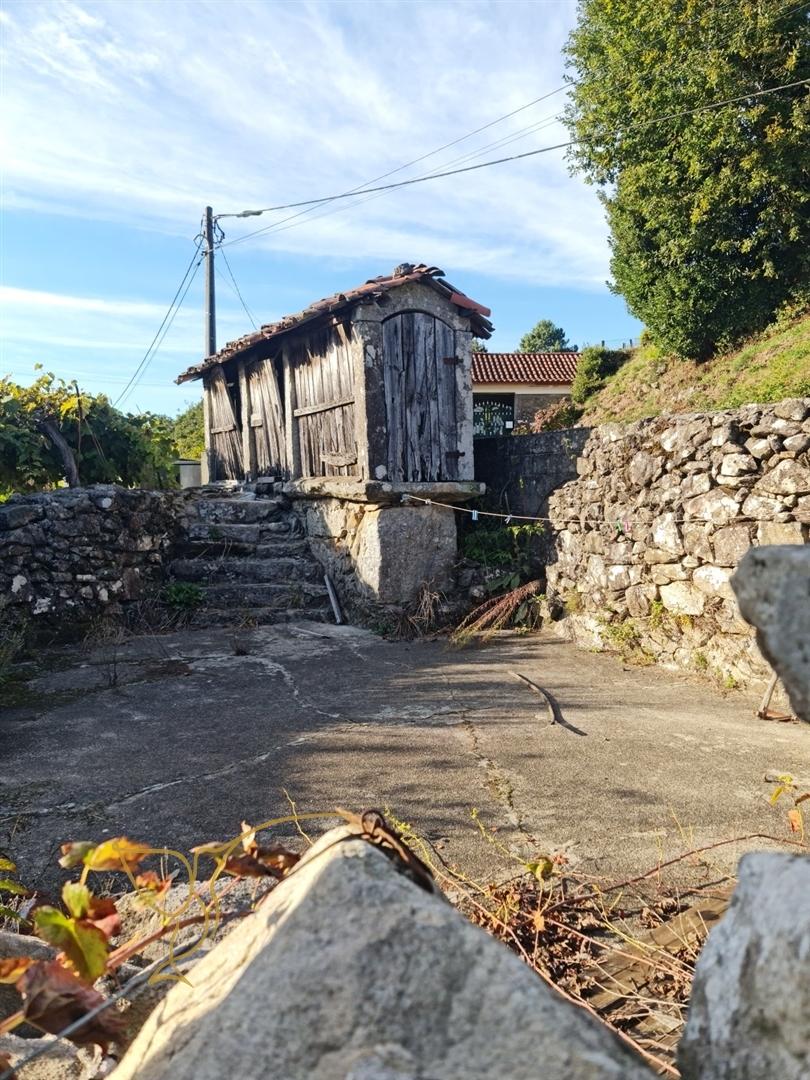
(210, 338)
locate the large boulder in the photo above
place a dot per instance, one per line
(748, 1015)
(350, 970)
(773, 590)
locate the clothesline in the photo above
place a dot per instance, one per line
(622, 522)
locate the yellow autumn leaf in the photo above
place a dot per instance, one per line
(119, 853)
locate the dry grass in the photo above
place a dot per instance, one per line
(495, 614)
(625, 951)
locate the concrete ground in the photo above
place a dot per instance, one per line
(176, 739)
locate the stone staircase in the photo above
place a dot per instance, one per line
(249, 557)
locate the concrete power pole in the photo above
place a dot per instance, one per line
(210, 338)
(209, 470)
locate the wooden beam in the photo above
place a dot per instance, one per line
(248, 443)
(208, 467)
(324, 406)
(291, 438)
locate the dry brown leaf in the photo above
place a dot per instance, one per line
(53, 998)
(247, 866)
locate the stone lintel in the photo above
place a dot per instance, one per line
(382, 492)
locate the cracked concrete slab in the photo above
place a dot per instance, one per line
(206, 728)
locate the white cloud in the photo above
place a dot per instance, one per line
(144, 112)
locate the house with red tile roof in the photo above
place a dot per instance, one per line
(509, 388)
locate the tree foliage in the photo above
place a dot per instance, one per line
(189, 436)
(52, 431)
(709, 212)
(545, 337)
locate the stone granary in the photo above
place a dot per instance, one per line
(353, 405)
(373, 383)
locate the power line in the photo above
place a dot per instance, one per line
(360, 190)
(514, 136)
(415, 161)
(238, 292)
(513, 157)
(165, 326)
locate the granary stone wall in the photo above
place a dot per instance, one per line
(380, 555)
(646, 539)
(73, 554)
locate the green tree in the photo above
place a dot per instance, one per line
(545, 337)
(189, 435)
(53, 432)
(709, 212)
(478, 346)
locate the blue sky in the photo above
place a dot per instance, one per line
(121, 120)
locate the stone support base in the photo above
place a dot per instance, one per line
(381, 554)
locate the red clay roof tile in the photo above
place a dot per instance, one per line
(544, 367)
(332, 305)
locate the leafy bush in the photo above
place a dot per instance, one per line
(183, 596)
(595, 365)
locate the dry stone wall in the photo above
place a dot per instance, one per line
(663, 510)
(67, 556)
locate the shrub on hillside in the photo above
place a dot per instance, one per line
(595, 365)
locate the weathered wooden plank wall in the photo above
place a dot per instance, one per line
(419, 373)
(226, 442)
(324, 404)
(267, 419)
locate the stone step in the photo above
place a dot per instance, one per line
(279, 570)
(256, 533)
(240, 510)
(260, 616)
(234, 549)
(298, 596)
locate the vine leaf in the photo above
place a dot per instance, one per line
(275, 856)
(100, 912)
(247, 866)
(119, 853)
(14, 887)
(53, 998)
(151, 888)
(13, 967)
(73, 854)
(83, 945)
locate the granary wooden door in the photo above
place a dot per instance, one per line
(420, 364)
(267, 419)
(324, 404)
